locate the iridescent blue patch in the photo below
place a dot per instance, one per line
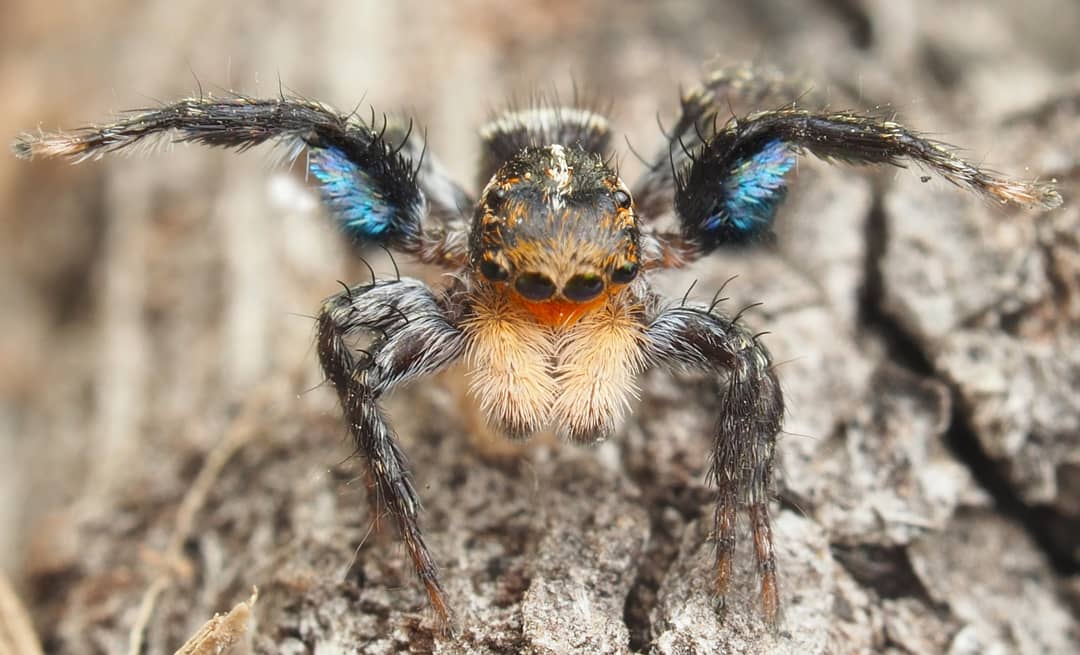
(350, 194)
(753, 191)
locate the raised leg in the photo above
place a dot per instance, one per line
(411, 334)
(374, 176)
(730, 192)
(726, 92)
(726, 175)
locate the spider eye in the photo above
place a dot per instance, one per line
(496, 199)
(622, 199)
(535, 286)
(583, 287)
(493, 271)
(624, 273)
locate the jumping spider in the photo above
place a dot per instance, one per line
(550, 302)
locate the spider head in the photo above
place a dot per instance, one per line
(556, 229)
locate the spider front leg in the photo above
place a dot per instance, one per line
(750, 410)
(729, 187)
(730, 192)
(413, 333)
(726, 91)
(376, 177)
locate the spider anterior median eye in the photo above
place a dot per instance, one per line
(493, 271)
(622, 199)
(624, 273)
(583, 287)
(535, 286)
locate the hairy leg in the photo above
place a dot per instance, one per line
(726, 175)
(413, 334)
(373, 175)
(726, 92)
(750, 408)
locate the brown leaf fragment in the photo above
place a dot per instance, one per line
(220, 634)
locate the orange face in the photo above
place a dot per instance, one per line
(559, 312)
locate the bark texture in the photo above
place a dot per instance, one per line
(165, 446)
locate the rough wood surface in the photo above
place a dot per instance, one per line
(165, 447)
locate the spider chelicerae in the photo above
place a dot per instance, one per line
(550, 302)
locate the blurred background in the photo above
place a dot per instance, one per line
(146, 299)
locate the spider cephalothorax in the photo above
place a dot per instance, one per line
(557, 227)
(550, 305)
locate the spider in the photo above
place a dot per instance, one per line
(549, 302)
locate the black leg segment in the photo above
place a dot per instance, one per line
(750, 408)
(411, 335)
